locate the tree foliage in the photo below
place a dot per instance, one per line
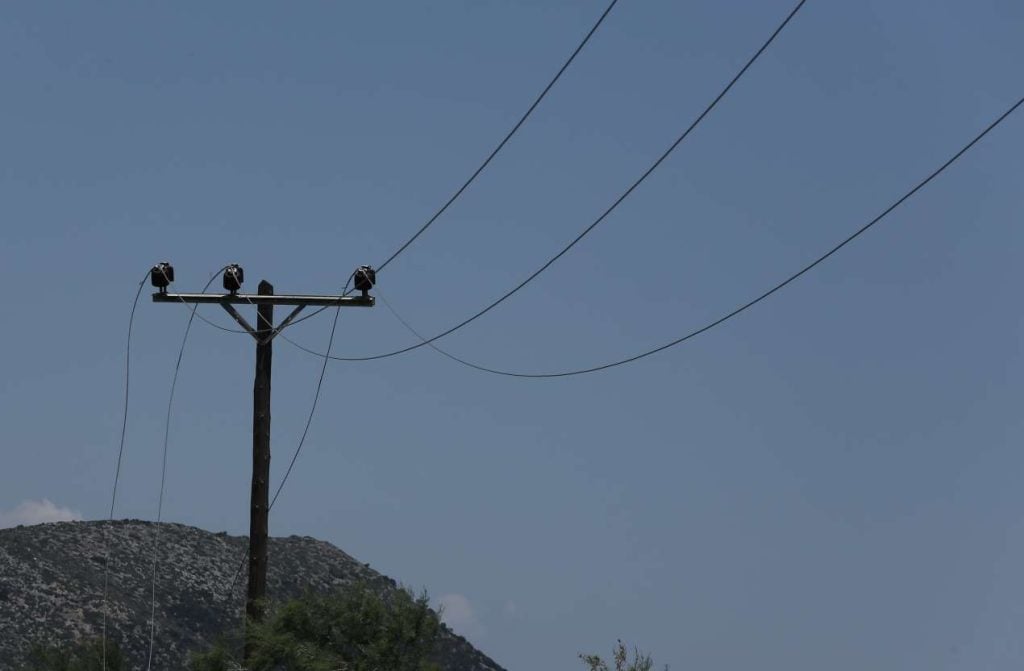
(640, 662)
(83, 656)
(355, 629)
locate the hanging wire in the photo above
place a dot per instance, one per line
(163, 472)
(504, 141)
(117, 470)
(604, 215)
(476, 173)
(749, 304)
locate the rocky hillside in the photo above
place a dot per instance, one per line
(51, 586)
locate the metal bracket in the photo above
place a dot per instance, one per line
(258, 335)
(266, 332)
(264, 299)
(283, 325)
(230, 309)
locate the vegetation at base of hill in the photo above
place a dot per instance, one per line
(641, 661)
(85, 656)
(353, 629)
(356, 629)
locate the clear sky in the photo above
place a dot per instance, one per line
(829, 481)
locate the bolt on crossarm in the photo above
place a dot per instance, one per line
(264, 333)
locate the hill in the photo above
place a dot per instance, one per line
(51, 587)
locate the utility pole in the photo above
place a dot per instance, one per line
(259, 501)
(264, 333)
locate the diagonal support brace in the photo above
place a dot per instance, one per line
(274, 330)
(230, 309)
(283, 325)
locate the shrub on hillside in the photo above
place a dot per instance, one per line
(356, 629)
(84, 656)
(641, 662)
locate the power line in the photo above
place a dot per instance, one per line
(504, 141)
(476, 173)
(312, 411)
(120, 456)
(740, 309)
(163, 475)
(611, 208)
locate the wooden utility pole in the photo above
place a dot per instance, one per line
(260, 499)
(264, 333)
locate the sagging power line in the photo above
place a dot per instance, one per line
(604, 215)
(504, 140)
(117, 469)
(475, 174)
(749, 304)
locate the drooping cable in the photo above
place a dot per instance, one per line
(473, 176)
(117, 470)
(504, 141)
(163, 473)
(476, 173)
(312, 411)
(611, 208)
(749, 304)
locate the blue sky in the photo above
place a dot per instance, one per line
(830, 480)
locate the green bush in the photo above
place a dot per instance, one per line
(641, 662)
(84, 656)
(355, 629)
